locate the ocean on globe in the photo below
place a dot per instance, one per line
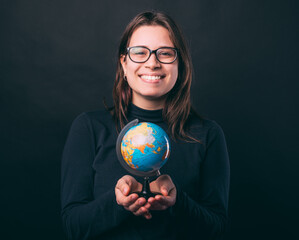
(145, 147)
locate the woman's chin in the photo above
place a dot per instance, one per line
(153, 96)
(150, 96)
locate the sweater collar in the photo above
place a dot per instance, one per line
(144, 115)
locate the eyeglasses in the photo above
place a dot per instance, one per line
(141, 54)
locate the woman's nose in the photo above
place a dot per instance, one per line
(153, 62)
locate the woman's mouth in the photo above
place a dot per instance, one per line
(151, 78)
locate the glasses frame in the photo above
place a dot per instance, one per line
(153, 51)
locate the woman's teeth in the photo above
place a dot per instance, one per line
(146, 77)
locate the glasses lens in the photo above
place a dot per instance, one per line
(139, 54)
(166, 55)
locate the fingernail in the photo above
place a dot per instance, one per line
(133, 197)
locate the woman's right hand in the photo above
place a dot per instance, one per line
(125, 197)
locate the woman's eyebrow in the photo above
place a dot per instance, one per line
(162, 46)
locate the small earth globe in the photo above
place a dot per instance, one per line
(145, 147)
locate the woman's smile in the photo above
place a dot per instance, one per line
(151, 78)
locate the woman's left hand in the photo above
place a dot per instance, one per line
(164, 185)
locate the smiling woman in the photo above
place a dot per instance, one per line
(149, 79)
(152, 84)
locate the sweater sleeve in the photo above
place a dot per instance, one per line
(84, 216)
(210, 212)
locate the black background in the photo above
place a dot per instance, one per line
(58, 59)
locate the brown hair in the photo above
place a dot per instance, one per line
(177, 105)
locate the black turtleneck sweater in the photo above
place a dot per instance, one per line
(90, 171)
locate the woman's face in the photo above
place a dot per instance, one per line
(152, 80)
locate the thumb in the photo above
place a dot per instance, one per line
(125, 190)
(164, 191)
(123, 185)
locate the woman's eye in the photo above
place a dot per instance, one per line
(139, 53)
(166, 54)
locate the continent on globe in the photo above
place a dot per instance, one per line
(145, 147)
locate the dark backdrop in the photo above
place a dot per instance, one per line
(58, 59)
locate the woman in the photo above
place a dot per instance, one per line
(152, 84)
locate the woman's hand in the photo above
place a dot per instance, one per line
(125, 197)
(165, 186)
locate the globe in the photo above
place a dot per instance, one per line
(145, 147)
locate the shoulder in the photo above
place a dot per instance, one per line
(93, 119)
(204, 129)
(203, 124)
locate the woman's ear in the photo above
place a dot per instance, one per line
(123, 63)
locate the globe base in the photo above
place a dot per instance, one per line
(146, 192)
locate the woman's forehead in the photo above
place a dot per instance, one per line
(151, 36)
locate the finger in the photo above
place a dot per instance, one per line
(162, 200)
(164, 191)
(151, 200)
(132, 183)
(123, 186)
(158, 207)
(142, 211)
(134, 207)
(126, 190)
(152, 204)
(128, 184)
(158, 202)
(166, 188)
(162, 184)
(128, 201)
(148, 215)
(125, 200)
(161, 203)
(147, 205)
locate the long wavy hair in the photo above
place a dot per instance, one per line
(177, 107)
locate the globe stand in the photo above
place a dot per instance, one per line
(145, 192)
